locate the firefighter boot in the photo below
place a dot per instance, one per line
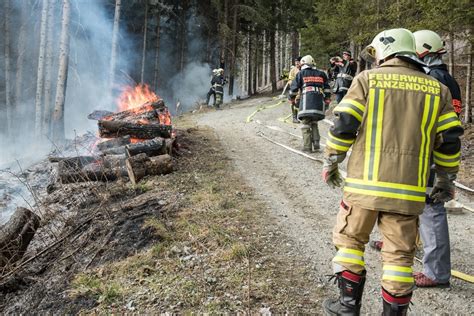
(295, 114)
(351, 287)
(307, 142)
(315, 136)
(395, 305)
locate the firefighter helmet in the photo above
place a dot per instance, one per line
(389, 43)
(214, 71)
(307, 60)
(428, 42)
(220, 71)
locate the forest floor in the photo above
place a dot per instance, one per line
(242, 225)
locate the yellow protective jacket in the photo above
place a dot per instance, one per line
(393, 117)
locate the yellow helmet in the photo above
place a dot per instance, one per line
(390, 42)
(428, 42)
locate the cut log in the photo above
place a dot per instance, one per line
(99, 114)
(108, 168)
(114, 142)
(115, 151)
(112, 129)
(152, 147)
(93, 172)
(16, 235)
(147, 109)
(83, 160)
(141, 165)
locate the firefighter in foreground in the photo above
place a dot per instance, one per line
(295, 101)
(312, 85)
(433, 221)
(393, 117)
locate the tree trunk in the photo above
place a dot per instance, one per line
(49, 70)
(451, 53)
(249, 61)
(15, 236)
(58, 116)
(113, 56)
(182, 37)
(272, 61)
(8, 100)
(41, 63)
(255, 65)
(468, 109)
(264, 59)
(145, 29)
(141, 165)
(19, 107)
(157, 52)
(295, 46)
(234, 49)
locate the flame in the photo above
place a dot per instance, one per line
(132, 97)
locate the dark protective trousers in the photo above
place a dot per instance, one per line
(208, 98)
(435, 236)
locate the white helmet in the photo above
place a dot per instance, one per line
(214, 71)
(428, 42)
(220, 71)
(390, 42)
(307, 60)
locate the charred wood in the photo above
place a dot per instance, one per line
(114, 142)
(16, 235)
(112, 129)
(152, 147)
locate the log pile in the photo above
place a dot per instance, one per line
(139, 142)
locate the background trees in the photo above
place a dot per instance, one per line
(174, 45)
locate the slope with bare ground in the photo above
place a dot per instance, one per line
(305, 208)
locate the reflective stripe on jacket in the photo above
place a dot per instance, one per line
(391, 117)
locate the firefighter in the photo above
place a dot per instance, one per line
(294, 102)
(218, 83)
(434, 230)
(393, 117)
(211, 91)
(312, 84)
(345, 75)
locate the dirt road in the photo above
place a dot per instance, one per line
(305, 208)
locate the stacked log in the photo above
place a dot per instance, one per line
(120, 157)
(16, 235)
(141, 165)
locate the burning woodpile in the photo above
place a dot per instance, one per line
(134, 142)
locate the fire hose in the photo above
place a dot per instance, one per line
(457, 274)
(261, 108)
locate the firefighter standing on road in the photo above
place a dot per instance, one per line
(433, 221)
(296, 100)
(393, 117)
(211, 91)
(312, 84)
(345, 75)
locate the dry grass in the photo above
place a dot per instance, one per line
(214, 254)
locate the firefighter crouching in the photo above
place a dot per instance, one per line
(312, 84)
(393, 117)
(294, 98)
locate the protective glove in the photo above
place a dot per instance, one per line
(444, 189)
(330, 172)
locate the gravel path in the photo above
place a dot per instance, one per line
(305, 208)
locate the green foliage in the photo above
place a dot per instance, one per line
(333, 25)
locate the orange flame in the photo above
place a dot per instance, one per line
(133, 97)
